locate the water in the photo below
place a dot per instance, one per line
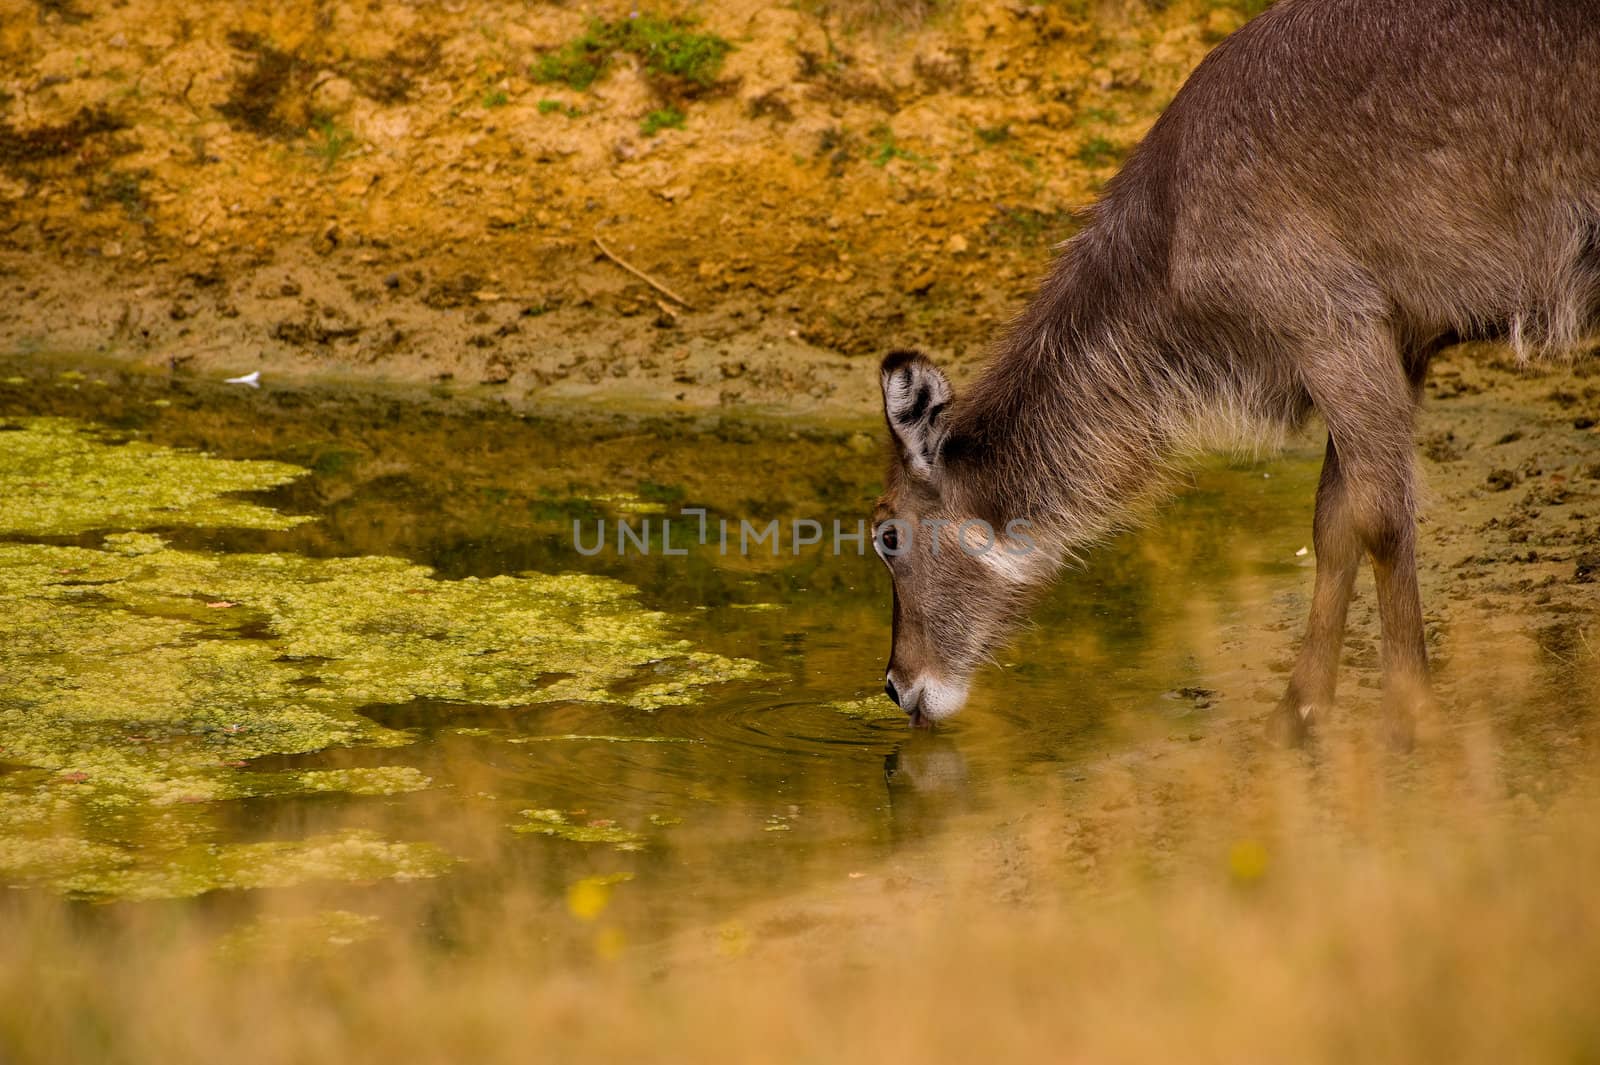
(759, 784)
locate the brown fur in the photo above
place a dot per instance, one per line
(1340, 189)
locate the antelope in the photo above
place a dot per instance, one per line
(1341, 189)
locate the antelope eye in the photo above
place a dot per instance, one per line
(889, 537)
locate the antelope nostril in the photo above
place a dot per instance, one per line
(889, 690)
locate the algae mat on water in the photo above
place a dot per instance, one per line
(59, 477)
(136, 681)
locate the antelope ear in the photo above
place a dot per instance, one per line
(915, 395)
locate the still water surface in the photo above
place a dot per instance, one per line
(755, 785)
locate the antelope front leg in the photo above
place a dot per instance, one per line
(1316, 671)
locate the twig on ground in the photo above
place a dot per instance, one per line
(640, 274)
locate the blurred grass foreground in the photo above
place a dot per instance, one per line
(1201, 902)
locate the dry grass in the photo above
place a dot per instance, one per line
(1206, 901)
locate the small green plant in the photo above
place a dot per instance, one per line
(993, 134)
(332, 142)
(887, 151)
(669, 48)
(1097, 151)
(497, 98)
(656, 121)
(551, 107)
(576, 64)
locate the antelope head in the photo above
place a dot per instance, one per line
(960, 563)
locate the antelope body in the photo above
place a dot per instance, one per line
(1341, 189)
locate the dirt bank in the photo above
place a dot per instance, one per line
(404, 192)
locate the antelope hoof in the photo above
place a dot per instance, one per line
(1291, 723)
(1402, 710)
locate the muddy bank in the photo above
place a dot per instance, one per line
(414, 193)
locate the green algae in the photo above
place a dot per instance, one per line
(58, 477)
(353, 856)
(42, 857)
(380, 630)
(872, 708)
(280, 938)
(146, 706)
(555, 823)
(44, 838)
(142, 677)
(137, 682)
(377, 780)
